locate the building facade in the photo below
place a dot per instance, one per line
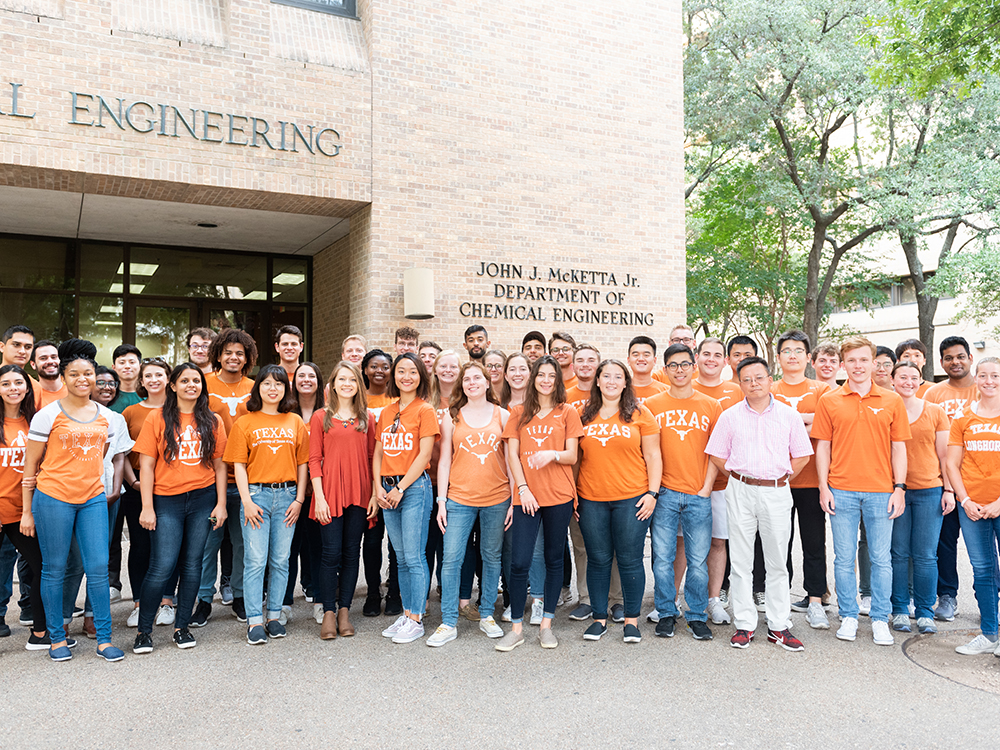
(256, 162)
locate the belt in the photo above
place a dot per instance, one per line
(759, 482)
(277, 485)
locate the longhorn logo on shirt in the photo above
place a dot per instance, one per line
(85, 446)
(232, 402)
(189, 446)
(489, 440)
(604, 432)
(12, 456)
(682, 433)
(875, 411)
(792, 401)
(542, 431)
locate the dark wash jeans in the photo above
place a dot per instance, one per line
(524, 528)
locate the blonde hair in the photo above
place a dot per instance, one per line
(856, 342)
(359, 404)
(435, 398)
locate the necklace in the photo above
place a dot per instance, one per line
(345, 422)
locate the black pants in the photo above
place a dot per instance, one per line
(947, 556)
(31, 553)
(434, 549)
(138, 538)
(555, 524)
(341, 557)
(372, 555)
(306, 548)
(472, 565)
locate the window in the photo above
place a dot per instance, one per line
(346, 8)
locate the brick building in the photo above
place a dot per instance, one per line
(257, 162)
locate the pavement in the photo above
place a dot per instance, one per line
(369, 693)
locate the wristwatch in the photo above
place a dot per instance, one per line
(899, 486)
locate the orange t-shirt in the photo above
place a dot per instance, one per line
(612, 466)
(954, 401)
(15, 439)
(225, 399)
(73, 467)
(728, 394)
(553, 483)
(570, 381)
(802, 397)
(642, 392)
(186, 472)
(378, 402)
(577, 398)
(660, 376)
(43, 398)
(861, 430)
(981, 462)
(272, 446)
(923, 469)
(685, 426)
(924, 387)
(401, 448)
(478, 468)
(135, 417)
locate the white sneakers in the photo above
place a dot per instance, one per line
(489, 626)
(133, 618)
(865, 606)
(717, 611)
(318, 613)
(881, 633)
(409, 631)
(165, 615)
(816, 617)
(537, 611)
(391, 631)
(978, 645)
(849, 629)
(443, 635)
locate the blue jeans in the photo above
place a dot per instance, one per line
(460, 521)
(850, 508)
(210, 559)
(177, 543)
(553, 521)
(74, 574)
(915, 536)
(694, 515)
(611, 530)
(407, 525)
(57, 523)
(980, 541)
(268, 546)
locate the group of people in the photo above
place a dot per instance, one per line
(504, 467)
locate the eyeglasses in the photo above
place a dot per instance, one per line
(495, 366)
(561, 350)
(795, 350)
(199, 347)
(107, 384)
(883, 365)
(683, 340)
(675, 366)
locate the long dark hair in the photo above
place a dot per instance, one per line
(626, 405)
(204, 418)
(287, 403)
(26, 408)
(140, 389)
(531, 405)
(320, 399)
(506, 394)
(423, 387)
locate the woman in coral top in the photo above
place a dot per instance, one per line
(542, 438)
(341, 445)
(618, 480)
(63, 492)
(269, 450)
(404, 439)
(974, 471)
(18, 409)
(915, 533)
(183, 484)
(473, 469)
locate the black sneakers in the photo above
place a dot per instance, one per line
(595, 632)
(372, 607)
(143, 643)
(256, 635)
(275, 629)
(393, 606)
(201, 615)
(700, 630)
(665, 627)
(184, 639)
(239, 611)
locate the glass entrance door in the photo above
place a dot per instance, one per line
(161, 329)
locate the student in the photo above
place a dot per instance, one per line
(516, 374)
(973, 469)
(494, 361)
(620, 460)
(561, 347)
(916, 532)
(353, 349)
(802, 394)
(533, 346)
(233, 355)
(679, 334)
(199, 343)
(406, 340)
(542, 439)
(126, 360)
(375, 371)
(826, 363)
(586, 358)
(152, 388)
(473, 476)
(45, 360)
(269, 450)
(738, 349)
(686, 418)
(405, 436)
(914, 351)
(476, 341)
(64, 491)
(18, 399)
(760, 443)
(183, 480)
(341, 447)
(288, 343)
(956, 396)
(428, 352)
(861, 431)
(641, 361)
(885, 360)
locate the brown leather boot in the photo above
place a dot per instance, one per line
(344, 623)
(328, 630)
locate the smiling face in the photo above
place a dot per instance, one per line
(127, 367)
(80, 378)
(46, 361)
(827, 365)
(641, 359)
(956, 362)
(882, 374)
(474, 383)
(793, 357)
(105, 389)
(306, 381)
(198, 350)
(476, 344)
(585, 363)
(680, 369)
(13, 388)
(906, 381)
(353, 352)
(446, 368)
(545, 380)
(289, 347)
(233, 358)
(533, 350)
(517, 372)
(988, 379)
(187, 386)
(405, 345)
(345, 385)
(377, 371)
(407, 377)
(154, 379)
(271, 391)
(563, 352)
(711, 359)
(494, 368)
(428, 355)
(17, 349)
(859, 365)
(611, 381)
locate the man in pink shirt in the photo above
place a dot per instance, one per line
(762, 443)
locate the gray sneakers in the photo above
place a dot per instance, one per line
(901, 623)
(946, 609)
(512, 640)
(547, 638)
(926, 625)
(816, 616)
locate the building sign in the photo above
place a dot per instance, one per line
(336, 7)
(168, 120)
(557, 295)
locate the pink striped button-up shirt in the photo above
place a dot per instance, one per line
(759, 445)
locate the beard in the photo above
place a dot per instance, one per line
(476, 353)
